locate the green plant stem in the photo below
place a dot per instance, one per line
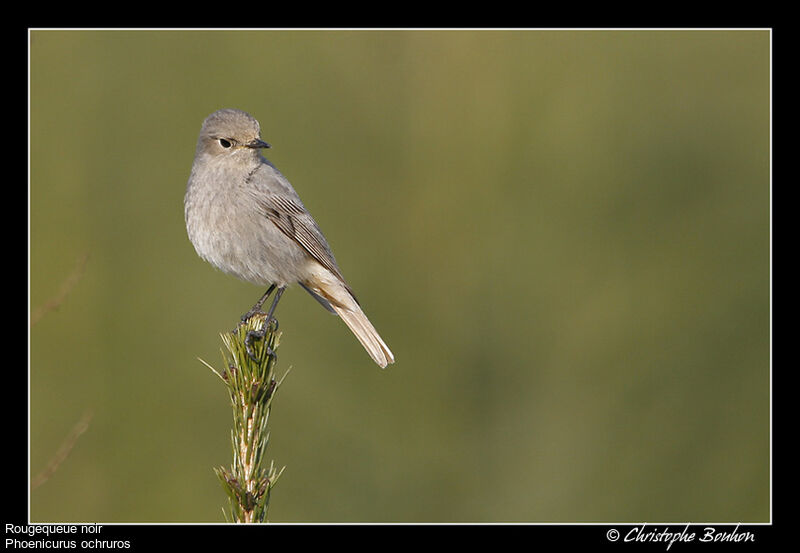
(251, 386)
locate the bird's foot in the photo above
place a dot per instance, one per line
(259, 335)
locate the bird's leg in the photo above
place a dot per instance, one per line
(259, 334)
(257, 307)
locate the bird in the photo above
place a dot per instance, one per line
(245, 218)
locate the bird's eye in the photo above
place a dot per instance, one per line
(224, 143)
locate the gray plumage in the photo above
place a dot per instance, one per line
(244, 218)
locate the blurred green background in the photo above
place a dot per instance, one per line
(564, 236)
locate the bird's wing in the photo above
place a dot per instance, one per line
(294, 221)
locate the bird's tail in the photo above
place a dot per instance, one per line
(343, 303)
(359, 324)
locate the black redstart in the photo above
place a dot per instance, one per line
(244, 218)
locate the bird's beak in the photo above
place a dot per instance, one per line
(257, 143)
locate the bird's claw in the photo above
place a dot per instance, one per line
(259, 335)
